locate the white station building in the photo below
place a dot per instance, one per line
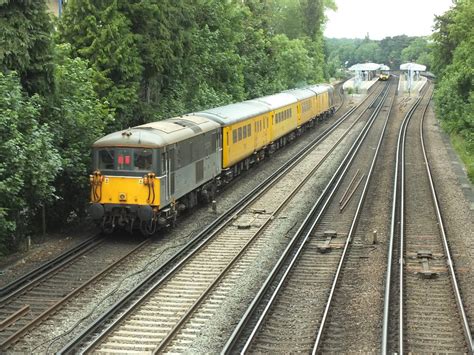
(365, 76)
(410, 80)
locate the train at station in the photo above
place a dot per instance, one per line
(145, 176)
(384, 76)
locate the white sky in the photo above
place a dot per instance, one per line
(383, 18)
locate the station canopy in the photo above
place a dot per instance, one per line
(365, 67)
(413, 66)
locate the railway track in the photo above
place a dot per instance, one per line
(289, 312)
(423, 310)
(25, 336)
(156, 319)
(48, 266)
(35, 300)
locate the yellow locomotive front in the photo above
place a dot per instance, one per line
(125, 189)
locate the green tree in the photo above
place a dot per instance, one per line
(161, 28)
(453, 59)
(76, 118)
(294, 51)
(368, 51)
(391, 49)
(25, 43)
(418, 51)
(101, 33)
(29, 161)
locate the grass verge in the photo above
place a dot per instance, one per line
(462, 148)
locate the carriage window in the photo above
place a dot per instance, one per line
(240, 133)
(249, 130)
(163, 162)
(106, 159)
(245, 131)
(234, 136)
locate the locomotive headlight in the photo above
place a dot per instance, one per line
(122, 196)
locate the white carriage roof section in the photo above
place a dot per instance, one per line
(413, 66)
(233, 113)
(365, 67)
(158, 134)
(384, 67)
(319, 89)
(300, 94)
(328, 87)
(274, 102)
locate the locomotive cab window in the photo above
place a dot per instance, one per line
(106, 159)
(143, 159)
(138, 159)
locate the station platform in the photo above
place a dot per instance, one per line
(364, 85)
(417, 85)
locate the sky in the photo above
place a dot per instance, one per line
(383, 18)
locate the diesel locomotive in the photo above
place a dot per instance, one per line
(145, 176)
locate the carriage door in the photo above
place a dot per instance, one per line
(168, 167)
(171, 172)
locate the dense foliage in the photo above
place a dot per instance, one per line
(162, 58)
(29, 161)
(25, 43)
(391, 51)
(50, 113)
(110, 64)
(453, 61)
(76, 117)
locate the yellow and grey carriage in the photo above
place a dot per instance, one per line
(146, 175)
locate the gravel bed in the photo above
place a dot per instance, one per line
(362, 282)
(163, 247)
(456, 207)
(42, 249)
(45, 248)
(213, 337)
(364, 336)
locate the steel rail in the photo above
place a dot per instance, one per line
(42, 269)
(306, 236)
(180, 257)
(320, 203)
(55, 268)
(22, 331)
(308, 232)
(456, 289)
(393, 224)
(351, 231)
(168, 338)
